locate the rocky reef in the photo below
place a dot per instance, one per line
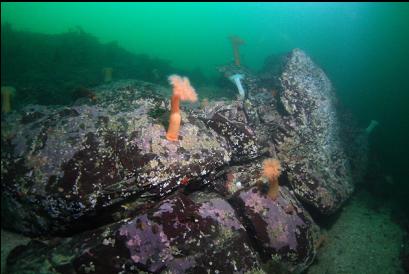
(311, 147)
(101, 175)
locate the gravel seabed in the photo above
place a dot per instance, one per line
(362, 240)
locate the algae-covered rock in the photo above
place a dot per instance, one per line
(284, 232)
(62, 164)
(179, 235)
(231, 123)
(309, 145)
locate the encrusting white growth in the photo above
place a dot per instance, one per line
(236, 79)
(371, 126)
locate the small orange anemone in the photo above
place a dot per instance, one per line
(182, 90)
(272, 170)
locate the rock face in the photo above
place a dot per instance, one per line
(231, 122)
(310, 146)
(179, 235)
(103, 173)
(63, 164)
(283, 230)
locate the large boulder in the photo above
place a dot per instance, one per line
(294, 114)
(283, 232)
(309, 145)
(63, 164)
(180, 235)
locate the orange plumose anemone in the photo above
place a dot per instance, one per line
(182, 91)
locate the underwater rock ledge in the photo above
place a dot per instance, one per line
(179, 235)
(94, 168)
(62, 164)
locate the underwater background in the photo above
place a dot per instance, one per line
(53, 52)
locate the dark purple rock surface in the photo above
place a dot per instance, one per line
(179, 235)
(285, 234)
(62, 164)
(282, 231)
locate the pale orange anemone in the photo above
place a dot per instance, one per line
(182, 91)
